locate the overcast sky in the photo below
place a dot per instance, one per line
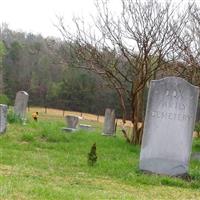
(38, 16)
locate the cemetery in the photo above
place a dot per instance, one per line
(56, 164)
(109, 109)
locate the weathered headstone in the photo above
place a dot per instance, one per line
(3, 118)
(169, 122)
(72, 121)
(21, 102)
(109, 122)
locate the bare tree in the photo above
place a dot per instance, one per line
(188, 46)
(127, 50)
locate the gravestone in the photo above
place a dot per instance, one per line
(109, 122)
(72, 121)
(3, 118)
(21, 102)
(169, 122)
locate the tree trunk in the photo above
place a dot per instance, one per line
(137, 117)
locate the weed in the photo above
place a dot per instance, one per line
(27, 137)
(13, 118)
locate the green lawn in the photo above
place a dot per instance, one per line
(38, 161)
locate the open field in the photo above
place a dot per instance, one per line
(94, 120)
(38, 161)
(55, 113)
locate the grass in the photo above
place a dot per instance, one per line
(38, 161)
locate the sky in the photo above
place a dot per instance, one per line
(39, 16)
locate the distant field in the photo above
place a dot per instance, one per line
(96, 120)
(60, 114)
(50, 112)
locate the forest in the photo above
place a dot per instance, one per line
(35, 64)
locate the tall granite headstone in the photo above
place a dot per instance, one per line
(169, 122)
(3, 118)
(21, 102)
(109, 122)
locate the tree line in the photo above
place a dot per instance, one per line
(146, 40)
(32, 63)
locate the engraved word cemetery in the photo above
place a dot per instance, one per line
(169, 123)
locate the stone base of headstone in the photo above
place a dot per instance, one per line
(163, 166)
(69, 129)
(109, 135)
(184, 176)
(85, 127)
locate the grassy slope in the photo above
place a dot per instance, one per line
(38, 161)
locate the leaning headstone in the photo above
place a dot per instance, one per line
(3, 118)
(109, 122)
(21, 102)
(169, 122)
(72, 123)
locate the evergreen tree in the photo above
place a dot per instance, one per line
(92, 157)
